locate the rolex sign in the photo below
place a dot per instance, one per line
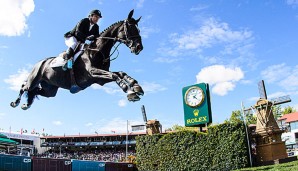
(197, 106)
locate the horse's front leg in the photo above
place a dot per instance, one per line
(134, 89)
(102, 77)
(133, 84)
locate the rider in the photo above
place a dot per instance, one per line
(86, 29)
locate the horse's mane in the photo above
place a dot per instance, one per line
(110, 27)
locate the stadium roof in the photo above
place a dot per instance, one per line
(94, 135)
(4, 141)
(291, 117)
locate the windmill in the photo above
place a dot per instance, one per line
(269, 145)
(152, 126)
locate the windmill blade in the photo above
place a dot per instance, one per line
(144, 113)
(281, 100)
(262, 90)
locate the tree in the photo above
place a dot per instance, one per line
(177, 127)
(237, 117)
(288, 110)
(276, 110)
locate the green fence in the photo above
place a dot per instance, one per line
(15, 163)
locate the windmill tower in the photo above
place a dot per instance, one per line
(269, 145)
(152, 126)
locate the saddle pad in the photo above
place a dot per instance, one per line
(58, 61)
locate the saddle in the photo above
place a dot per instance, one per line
(59, 61)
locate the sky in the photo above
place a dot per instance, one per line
(231, 45)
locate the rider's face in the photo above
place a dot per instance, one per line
(95, 18)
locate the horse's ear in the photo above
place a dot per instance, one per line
(130, 14)
(138, 19)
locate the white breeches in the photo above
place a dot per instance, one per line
(71, 42)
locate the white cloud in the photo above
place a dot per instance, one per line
(152, 87)
(114, 89)
(108, 88)
(1, 115)
(285, 76)
(57, 123)
(199, 8)
(3, 46)
(145, 31)
(15, 81)
(292, 2)
(296, 107)
(166, 59)
(211, 33)
(275, 72)
(276, 94)
(222, 88)
(222, 79)
(88, 124)
(117, 124)
(140, 3)
(13, 16)
(122, 102)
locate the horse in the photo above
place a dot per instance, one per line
(91, 67)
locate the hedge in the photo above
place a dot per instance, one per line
(223, 147)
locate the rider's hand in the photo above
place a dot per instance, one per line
(91, 37)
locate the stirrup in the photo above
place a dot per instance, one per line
(68, 65)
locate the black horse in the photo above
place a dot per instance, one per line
(91, 67)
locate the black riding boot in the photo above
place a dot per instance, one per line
(67, 57)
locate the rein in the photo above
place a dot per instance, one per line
(126, 41)
(116, 48)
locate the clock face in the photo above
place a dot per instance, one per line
(194, 96)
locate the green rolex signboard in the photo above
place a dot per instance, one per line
(196, 103)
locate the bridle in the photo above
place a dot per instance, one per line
(128, 41)
(128, 38)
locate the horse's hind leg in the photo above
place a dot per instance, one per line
(31, 95)
(45, 90)
(18, 100)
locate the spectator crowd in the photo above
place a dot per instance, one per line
(109, 155)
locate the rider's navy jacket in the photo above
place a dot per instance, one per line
(81, 30)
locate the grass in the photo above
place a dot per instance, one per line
(291, 166)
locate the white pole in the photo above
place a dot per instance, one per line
(247, 138)
(21, 146)
(126, 147)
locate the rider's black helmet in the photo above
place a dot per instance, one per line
(95, 12)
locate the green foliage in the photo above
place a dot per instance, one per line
(291, 166)
(224, 147)
(288, 110)
(177, 127)
(237, 117)
(276, 110)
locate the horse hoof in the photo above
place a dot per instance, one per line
(138, 89)
(13, 104)
(133, 97)
(25, 107)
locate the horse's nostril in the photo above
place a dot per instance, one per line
(139, 47)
